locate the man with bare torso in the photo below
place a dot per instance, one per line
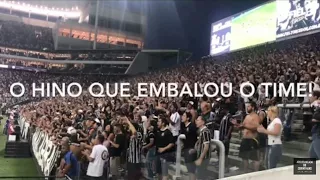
(249, 147)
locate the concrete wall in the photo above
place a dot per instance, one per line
(275, 174)
(140, 64)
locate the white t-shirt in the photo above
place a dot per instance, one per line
(272, 140)
(100, 155)
(175, 117)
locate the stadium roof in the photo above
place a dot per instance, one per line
(168, 53)
(128, 50)
(57, 3)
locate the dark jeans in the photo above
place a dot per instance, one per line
(314, 151)
(307, 122)
(202, 170)
(288, 114)
(150, 162)
(96, 178)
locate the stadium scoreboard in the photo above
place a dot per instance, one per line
(268, 22)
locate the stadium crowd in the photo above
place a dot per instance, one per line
(23, 36)
(110, 136)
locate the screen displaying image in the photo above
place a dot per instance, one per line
(254, 27)
(220, 37)
(297, 16)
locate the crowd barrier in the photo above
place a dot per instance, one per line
(44, 150)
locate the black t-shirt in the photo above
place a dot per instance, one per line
(119, 139)
(191, 135)
(150, 135)
(163, 139)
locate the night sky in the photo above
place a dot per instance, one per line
(186, 24)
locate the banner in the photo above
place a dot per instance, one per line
(24, 128)
(220, 37)
(297, 16)
(45, 152)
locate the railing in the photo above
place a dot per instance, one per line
(178, 157)
(294, 106)
(213, 142)
(222, 156)
(289, 113)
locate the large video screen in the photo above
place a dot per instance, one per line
(268, 22)
(297, 16)
(254, 27)
(220, 37)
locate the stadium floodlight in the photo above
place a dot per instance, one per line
(35, 9)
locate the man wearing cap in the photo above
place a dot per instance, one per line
(91, 132)
(203, 148)
(95, 126)
(69, 167)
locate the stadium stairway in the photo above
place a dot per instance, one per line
(20, 149)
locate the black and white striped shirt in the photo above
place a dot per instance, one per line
(205, 137)
(225, 125)
(135, 146)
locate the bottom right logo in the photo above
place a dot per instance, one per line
(304, 166)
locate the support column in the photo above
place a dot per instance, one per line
(96, 25)
(178, 58)
(57, 35)
(70, 35)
